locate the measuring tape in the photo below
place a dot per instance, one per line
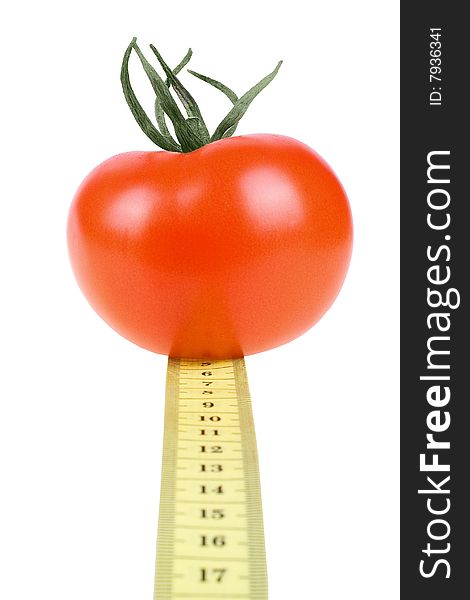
(210, 531)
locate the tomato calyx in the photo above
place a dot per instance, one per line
(190, 131)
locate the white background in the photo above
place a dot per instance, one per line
(81, 408)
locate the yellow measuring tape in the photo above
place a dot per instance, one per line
(210, 532)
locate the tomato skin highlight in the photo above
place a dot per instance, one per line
(232, 249)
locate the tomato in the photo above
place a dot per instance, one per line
(232, 249)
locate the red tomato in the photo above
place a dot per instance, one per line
(229, 250)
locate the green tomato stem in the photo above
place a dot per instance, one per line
(190, 131)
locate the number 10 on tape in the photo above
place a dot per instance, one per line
(210, 532)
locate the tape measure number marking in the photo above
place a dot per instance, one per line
(210, 532)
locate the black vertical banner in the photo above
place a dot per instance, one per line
(435, 274)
